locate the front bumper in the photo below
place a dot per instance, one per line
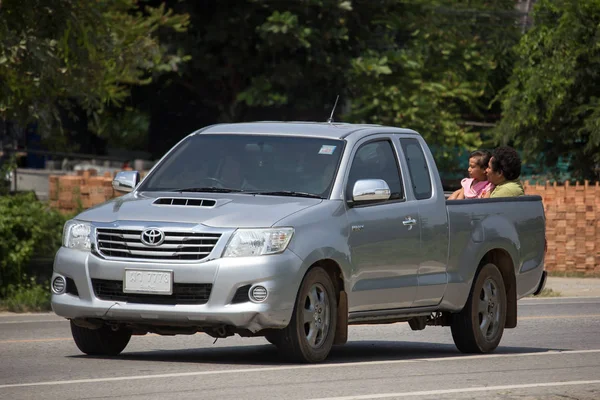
(280, 274)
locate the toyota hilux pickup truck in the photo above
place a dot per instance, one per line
(293, 231)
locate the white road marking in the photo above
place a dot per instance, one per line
(24, 315)
(461, 390)
(31, 321)
(558, 303)
(293, 367)
(34, 340)
(7, 314)
(560, 317)
(583, 298)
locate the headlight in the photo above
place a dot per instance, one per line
(258, 242)
(76, 235)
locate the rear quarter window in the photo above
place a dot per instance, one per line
(417, 168)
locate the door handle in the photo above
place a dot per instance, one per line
(410, 222)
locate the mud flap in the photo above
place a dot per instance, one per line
(417, 323)
(341, 332)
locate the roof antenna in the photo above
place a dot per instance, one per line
(330, 120)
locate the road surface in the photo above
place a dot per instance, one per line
(554, 352)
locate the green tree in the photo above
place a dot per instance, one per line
(427, 65)
(437, 64)
(258, 59)
(551, 107)
(28, 227)
(254, 55)
(79, 55)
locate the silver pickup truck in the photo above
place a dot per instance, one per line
(293, 231)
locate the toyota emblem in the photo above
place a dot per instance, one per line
(152, 237)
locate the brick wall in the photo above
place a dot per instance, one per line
(72, 193)
(572, 226)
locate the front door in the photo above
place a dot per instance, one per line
(384, 237)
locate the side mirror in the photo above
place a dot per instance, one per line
(126, 181)
(370, 190)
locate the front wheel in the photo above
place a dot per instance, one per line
(100, 342)
(478, 328)
(309, 336)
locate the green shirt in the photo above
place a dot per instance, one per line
(508, 189)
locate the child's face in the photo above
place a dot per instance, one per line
(475, 171)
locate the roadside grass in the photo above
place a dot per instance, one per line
(26, 297)
(547, 292)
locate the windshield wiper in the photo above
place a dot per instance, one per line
(212, 189)
(290, 193)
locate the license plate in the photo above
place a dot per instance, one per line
(148, 281)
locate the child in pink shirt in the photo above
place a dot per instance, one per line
(477, 185)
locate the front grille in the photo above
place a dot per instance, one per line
(183, 293)
(176, 246)
(241, 295)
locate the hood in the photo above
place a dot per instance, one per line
(230, 210)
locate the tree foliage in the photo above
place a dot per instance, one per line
(27, 227)
(253, 55)
(78, 54)
(423, 64)
(551, 106)
(448, 64)
(427, 65)
(258, 59)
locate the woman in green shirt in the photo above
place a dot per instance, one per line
(503, 171)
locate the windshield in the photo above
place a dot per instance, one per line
(249, 163)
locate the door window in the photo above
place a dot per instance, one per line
(376, 160)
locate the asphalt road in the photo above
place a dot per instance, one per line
(554, 353)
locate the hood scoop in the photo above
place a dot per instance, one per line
(184, 202)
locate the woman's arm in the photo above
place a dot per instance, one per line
(457, 195)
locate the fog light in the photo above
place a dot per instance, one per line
(59, 285)
(258, 293)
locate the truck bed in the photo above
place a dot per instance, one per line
(514, 224)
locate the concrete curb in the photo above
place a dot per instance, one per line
(574, 287)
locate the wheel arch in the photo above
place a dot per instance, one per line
(336, 274)
(504, 262)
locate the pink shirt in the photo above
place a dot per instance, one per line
(477, 190)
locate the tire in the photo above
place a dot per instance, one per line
(100, 342)
(478, 328)
(309, 336)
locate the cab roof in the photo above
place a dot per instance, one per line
(334, 130)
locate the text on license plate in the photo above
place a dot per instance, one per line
(148, 281)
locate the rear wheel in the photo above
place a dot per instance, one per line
(101, 342)
(309, 336)
(478, 328)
